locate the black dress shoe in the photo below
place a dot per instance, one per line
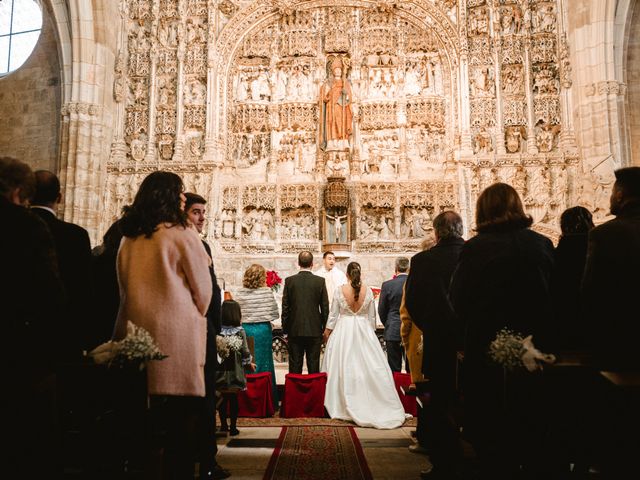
(216, 472)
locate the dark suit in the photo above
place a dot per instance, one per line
(305, 309)
(389, 311)
(427, 301)
(610, 290)
(73, 250)
(207, 430)
(106, 298)
(32, 296)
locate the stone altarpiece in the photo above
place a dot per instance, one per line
(435, 100)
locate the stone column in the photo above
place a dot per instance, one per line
(118, 153)
(498, 136)
(397, 214)
(464, 106)
(528, 88)
(403, 163)
(278, 218)
(151, 141)
(213, 153)
(178, 152)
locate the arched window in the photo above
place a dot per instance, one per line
(20, 26)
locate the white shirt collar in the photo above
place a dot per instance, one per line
(46, 208)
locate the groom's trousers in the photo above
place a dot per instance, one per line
(298, 347)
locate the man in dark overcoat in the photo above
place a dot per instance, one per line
(426, 299)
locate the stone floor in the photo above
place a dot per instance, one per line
(248, 454)
(386, 451)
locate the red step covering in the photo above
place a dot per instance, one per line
(304, 395)
(408, 402)
(256, 400)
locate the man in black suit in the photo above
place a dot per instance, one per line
(427, 301)
(612, 280)
(305, 309)
(73, 250)
(610, 294)
(389, 311)
(32, 296)
(195, 208)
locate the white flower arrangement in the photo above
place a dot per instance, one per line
(507, 349)
(227, 344)
(511, 350)
(136, 348)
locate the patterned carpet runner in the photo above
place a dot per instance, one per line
(318, 453)
(277, 421)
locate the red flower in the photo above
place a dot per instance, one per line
(273, 280)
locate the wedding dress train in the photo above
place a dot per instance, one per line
(360, 385)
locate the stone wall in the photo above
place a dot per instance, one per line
(375, 269)
(633, 86)
(30, 101)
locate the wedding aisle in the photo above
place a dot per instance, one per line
(318, 453)
(384, 452)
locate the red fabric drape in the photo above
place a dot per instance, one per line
(304, 395)
(256, 400)
(409, 403)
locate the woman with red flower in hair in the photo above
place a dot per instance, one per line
(259, 309)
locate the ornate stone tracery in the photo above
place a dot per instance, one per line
(442, 98)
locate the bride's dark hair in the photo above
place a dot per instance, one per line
(353, 272)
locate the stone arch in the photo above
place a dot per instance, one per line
(628, 72)
(87, 48)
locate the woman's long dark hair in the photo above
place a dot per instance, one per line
(157, 201)
(230, 314)
(353, 273)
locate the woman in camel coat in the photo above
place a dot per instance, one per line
(165, 287)
(412, 342)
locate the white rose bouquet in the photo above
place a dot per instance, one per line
(507, 349)
(227, 344)
(512, 350)
(136, 348)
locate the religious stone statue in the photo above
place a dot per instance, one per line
(337, 165)
(336, 119)
(337, 235)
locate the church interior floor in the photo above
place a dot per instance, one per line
(386, 451)
(247, 455)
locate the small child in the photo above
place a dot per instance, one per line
(235, 358)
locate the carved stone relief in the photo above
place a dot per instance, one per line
(229, 94)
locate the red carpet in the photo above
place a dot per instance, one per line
(278, 421)
(318, 453)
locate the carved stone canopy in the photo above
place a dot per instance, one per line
(336, 195)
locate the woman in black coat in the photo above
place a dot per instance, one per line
(502, 280)
(570, 258)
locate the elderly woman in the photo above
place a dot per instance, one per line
(165, 287)
(259, 309)
(502, 280)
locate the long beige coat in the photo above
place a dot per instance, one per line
(411, 340)
(165, 287)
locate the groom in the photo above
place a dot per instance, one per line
(305, 309)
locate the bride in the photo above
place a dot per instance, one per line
(360, 385)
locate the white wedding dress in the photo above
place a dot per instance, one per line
(360, 385)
